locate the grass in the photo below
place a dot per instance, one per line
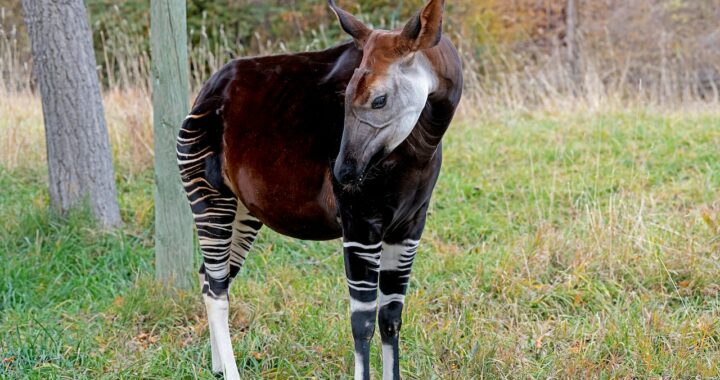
(559, 245)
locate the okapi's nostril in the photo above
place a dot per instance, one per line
(346, 172)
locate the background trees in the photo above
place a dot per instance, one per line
(79, 160)
(661, 50)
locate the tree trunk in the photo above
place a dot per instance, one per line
(571, 39)
(79, 158)
(173, 219)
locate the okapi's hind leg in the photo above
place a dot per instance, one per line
(225, 228)
(244, 230)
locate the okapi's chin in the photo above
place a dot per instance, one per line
(347, 175)
(351, 172)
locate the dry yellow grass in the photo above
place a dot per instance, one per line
(128, 114)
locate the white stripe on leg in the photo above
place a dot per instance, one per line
(218, 313)
(215, 356)
(387, 299)
(358, 366)
(356, 305)
(388, 361)
(217, 366)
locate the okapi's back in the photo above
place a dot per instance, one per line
(279, 125)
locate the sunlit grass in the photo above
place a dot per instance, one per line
(561, 245)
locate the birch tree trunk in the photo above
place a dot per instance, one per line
(571, 37)
(173, 219)
(79, 158)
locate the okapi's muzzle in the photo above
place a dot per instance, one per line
(362, 147)
(347, 171)
(351, 165)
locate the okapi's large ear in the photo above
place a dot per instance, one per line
(351, 25)
(424, 30)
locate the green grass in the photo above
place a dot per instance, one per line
(557, 247)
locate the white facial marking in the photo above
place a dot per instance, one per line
(407, 87)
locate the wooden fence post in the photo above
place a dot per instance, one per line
(173, 220)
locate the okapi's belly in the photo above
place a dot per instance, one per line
(286, 191)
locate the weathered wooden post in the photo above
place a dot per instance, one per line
(173, 219)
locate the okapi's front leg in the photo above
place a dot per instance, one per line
(362, 262)
(395, 266)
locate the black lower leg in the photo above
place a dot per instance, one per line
(362, 262)
(363, 329)
(390, 321)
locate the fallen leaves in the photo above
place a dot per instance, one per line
(7, 362)
(145, 340)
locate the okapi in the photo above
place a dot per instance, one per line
(344, 142)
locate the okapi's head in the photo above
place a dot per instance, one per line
(389, 89)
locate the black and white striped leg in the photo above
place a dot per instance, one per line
(214, 219)
(214, 212)
(245, 228)
(244, 231)
(395, 266)
(215, 355)
(215, 209)
(362, 263)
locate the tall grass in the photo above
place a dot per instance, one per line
(15, 69)
(500, 77)
(128, 114)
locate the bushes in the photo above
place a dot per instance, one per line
(515, 53)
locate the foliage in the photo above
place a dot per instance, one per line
(662, 51)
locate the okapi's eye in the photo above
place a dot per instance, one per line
(379, 102)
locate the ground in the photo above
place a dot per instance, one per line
(559, 245)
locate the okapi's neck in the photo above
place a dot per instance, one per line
(441, 104)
